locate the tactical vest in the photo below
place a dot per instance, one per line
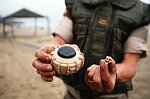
(100, 29)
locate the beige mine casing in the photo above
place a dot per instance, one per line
(67, 66)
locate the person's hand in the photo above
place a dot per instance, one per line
(102, 78)
(42, 62)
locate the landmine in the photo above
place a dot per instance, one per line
(67, 59)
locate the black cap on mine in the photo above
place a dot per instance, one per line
(66, 52)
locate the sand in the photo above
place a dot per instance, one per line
(19, 80)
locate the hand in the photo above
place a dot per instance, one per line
(42, 62)
(102, 78)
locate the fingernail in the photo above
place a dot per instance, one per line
(50, 79)
(54, 73)
(49, 67)
(47, 58)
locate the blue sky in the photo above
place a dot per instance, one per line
(52, 8)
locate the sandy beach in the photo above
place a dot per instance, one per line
(19, 80)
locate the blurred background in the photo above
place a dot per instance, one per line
(28, 24)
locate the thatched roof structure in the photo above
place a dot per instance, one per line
(24, 13)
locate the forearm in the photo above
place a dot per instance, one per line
(127, 69)
(59, 40)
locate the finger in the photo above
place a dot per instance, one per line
(47, 74)
(104, 69)
(87, 71)
(112, 66)
(97, 80)
(42, 55)
(90, 77)
(90, 72)
(41, 66)
(48, 48)
(48, 79)
(113, 70)
(105, 77)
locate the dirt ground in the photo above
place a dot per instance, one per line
(19, 80)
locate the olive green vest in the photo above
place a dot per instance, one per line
(100, 29)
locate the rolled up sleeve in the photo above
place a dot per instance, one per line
(137, 42)
(64, 29)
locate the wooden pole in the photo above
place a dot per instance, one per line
(35, 26)
(4, 25)
(48, 26)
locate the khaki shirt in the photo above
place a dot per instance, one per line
(136, 43)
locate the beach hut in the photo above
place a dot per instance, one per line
(24, 13)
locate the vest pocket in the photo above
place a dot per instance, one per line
(126, 21)
(117, 45)
(80, 29)
(80, 32)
